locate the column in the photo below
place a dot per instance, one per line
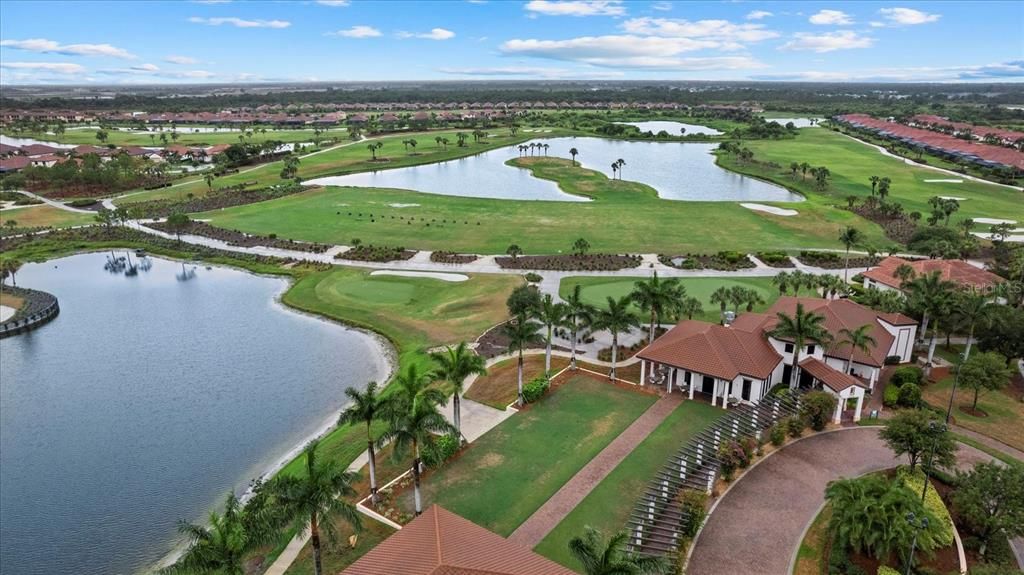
(860, 405)
(643, 371)
(874, 377)
(693, 383)
(839, 409)
(669, 377)
(725, 393)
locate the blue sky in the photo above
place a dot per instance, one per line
(330, 40)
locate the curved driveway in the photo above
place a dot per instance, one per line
(759, 522)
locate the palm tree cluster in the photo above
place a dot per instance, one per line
(801, 328)
(736, 296)
(828, 286)
(617, 166)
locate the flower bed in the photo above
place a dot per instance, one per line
(775, 259)
(237, 238)
(588, 262)
(371, 253)
(835, 260)
(443, 257)
(724, 261)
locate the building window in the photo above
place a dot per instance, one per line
(810, 350)
(789, 348)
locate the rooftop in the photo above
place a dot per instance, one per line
(957, 271)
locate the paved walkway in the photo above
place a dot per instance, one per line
(538, 525)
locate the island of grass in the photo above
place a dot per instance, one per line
(43, 216)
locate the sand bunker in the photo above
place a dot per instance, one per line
(770, 209)
(945, 181)
(993, 221)
(404, 205)
(432, 275)
(954, 198)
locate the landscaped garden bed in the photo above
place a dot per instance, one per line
(215, 200)
(237, 238)
(575, 262)
(444, 257)
(724, 261)
(775, 259)
(835, 260)
(372, 253)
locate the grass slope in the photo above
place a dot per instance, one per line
(507, 474)
(1005, 421)
(607, 507)
(596, 290)
(44, 216)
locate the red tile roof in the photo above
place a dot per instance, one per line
(14, 163)
(38, 150)
(957, 271)
(833, 379)
(716, 350)
(440, 542)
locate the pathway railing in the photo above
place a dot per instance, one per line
(41, 307)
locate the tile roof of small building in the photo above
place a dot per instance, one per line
(716, 350)
(957, 271)
(832, 378)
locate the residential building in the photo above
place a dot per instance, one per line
(962, 273)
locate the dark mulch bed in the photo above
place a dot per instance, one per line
(835, 260)
(897, 227)
(775, 259)
(237, 238)
(724, 261)
(215, 200)
(589, 262)
(371, 253)
(443, 257)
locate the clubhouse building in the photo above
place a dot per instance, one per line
(741, 361)
(964, 275)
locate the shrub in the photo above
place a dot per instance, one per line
(535, 389)
(533, 277)
(891, 396)
(907, 373)
(794, 426)
(441, 450)
(909, 395)
(893, 360)
(886, 570)
(777, 434)
(817, 408)
(692, 504)
(933, 503)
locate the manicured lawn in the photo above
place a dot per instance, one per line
(1005, 420)
(507, 474)
(499, 387)
(45, 216)
(810, 556)
(340, 555)
(596, 290)
(608, 506)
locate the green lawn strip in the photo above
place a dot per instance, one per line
(852, 163)
(811, 554)
(339, 555)
(608, 506)
(185, 137)
(509, 472)
(47, 216)
(596, 290)
(1007, 459)
(1005, 414)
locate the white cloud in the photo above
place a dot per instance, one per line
(54, 67)
(844, 40)
(831, 18)
(1005, 70)
(907, 16)
(333, 3)
(147, 68)
(758, 15)
(434, 34)
(529, 71)
(628, 51)
(577, 7)
(153, 71)
(240, 23)
(663, 6)
(357, 32)
(183, 60)
(44, 46)
(722, 31)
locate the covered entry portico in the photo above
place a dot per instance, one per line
(717, 389)
(845, 387)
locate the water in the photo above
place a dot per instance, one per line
(13, 141)
(798, 122)
(146, 400)
(673, 128)
(678, 171)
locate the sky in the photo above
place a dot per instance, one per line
(123, 42)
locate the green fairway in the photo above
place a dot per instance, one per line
(507, 474)
(852, 163)
(44, 216)
(186, 137)
(596, 290)
(608, 506)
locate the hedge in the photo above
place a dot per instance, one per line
(933, 503)
(535, 389)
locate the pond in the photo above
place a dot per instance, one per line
(147, 399)
(15, 141)
(797, 122)
(678, 171)
(673, 128)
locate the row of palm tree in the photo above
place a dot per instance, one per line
(938, 301)
(617, 166)
(806, 327)
(829, 286)
(524, 148)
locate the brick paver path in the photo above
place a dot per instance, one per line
(757, 525)
(538, 525)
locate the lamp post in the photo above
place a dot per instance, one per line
(956, 380)
(917, 525)
(935, 428)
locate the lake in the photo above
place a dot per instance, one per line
(147, 399)
(673, 128)
(797, 122)
(14, 141)
(678, 171)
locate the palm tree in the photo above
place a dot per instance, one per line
(615, 168)
(611, 558)
(781, 280)
(414, 384)
(550, 314)
(801, 328)
(366, 407)
(972, 309)
(222, 547)
(620, 163)
(904, 272)
(373, 150)
(750, 298)
(521, 333)
(573, 152)
(514, 250)
(311, 501)
(690, 307)
(804, 167)
(850, 237)
(859, 339)
(931, 294)
(616, 318)
(657, 297)
(721, 296)
(874, 183)
(578, 314)
(208, 178)
(454, 365)
(413, 421)
(546, 146)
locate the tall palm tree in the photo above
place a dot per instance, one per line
(578, 314)
(620, 163)
(616, 318)
(573, 152)
(521, 333)
(721, 296)
(850, 237)
(658, 297)
(615, 168)
(781, 280)
(222, 547)
(550, 314)
(859, 339)
(413, 422)
(366, 407)
(874, 183)
(414, 383)
(801, 328)
(972, 309)
(904, 273)
(312, 500)
(454, 365)
(690, 307)
(930, 294)
(611, 558)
